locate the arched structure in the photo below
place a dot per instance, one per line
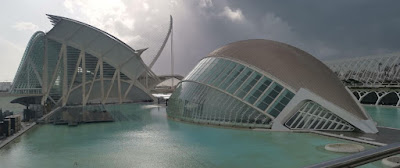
(76, 64)
(377, 96)
(267, 84)
(370, 71)
(373, 79)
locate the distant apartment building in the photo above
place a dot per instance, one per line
(5, 86)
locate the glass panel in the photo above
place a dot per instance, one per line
(269, 96)
(290, 121)
(195, 69)
(206, 69)
(318, 118)
(239, 80)
(220, 66)
(211, 70)
(280, 103)
(316, 121)
(200, 70)
(333, 126)
(226, 71)
(249, 84)
(195, 102)
(231, 76)
(256, 92)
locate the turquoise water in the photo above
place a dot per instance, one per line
(144, 137)
(385, 116)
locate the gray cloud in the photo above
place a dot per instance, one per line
(25, 26)
(9, 64)
(347, 28)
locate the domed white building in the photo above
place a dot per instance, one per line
(267, 84)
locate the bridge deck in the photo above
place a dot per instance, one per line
(385, 135)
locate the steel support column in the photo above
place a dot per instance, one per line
(83, 77)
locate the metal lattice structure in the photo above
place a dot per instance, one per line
(76, 64)
(28, 78)
(372, 71)
(373, 80)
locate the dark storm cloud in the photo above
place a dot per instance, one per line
(353, 28)
(326, 29)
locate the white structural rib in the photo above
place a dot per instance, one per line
(74, 54)
(369, 71)
(104, 47)
(163, 45)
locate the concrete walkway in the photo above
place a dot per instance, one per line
(12, 137)
(384, 136)
(25, 127)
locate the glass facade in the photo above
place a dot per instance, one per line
(217, 89)
(31, 67)
(202, 104)
(313, 116)
(62, 71)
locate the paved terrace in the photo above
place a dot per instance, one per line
(384, 136)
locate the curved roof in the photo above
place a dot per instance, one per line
(294, 67)
(98, 43)
(32, 58)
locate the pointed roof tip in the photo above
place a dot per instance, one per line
(50, 16)
(54, 19)
(140, 51)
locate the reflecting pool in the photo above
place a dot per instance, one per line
(144, 137)
(385, 116)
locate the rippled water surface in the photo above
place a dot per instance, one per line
(385, 116)
(144, 137)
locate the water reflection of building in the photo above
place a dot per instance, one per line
(77, 64)
(267, 84)
(373, 80)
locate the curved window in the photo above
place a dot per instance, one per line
(232, 92)
(203, 104)
(313, 116)
(27, 80)
(243, 82)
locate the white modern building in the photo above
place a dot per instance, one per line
(77, 64)
(5, 86)
(267, 84)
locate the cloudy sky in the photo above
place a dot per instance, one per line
(326, 29)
